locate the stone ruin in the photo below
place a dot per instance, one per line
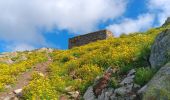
(88, 38)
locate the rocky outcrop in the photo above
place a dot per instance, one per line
(101, 91)
(167, 22)
(159, 87)
(160, 51)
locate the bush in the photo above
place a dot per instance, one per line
(114, 83)
(39, 89)
(143, 75)
(64, 59)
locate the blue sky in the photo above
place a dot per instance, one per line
(27, 25)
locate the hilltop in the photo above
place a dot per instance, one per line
(130, 67)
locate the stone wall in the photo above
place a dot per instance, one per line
(88, 38)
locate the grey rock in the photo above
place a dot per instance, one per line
(109, 93)
(127, 80)
(123, 91)
(167, 22)
(106, 94)
(89, 95)
(113, 97)
(142, 90)
(160, 51)
(131, 72)
(159, 86)
(102, 96)
(136, 86)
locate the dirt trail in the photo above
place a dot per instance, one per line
(24, 79)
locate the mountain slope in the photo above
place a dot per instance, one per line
(72, 71)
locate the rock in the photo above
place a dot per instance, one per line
(10, 98)
(18, 91)
(68, 89)
(102, 96)
(123, 91)
(167, 22)
(42, 49)
(50, 50)
(41, 74)
(127, 80)
(113, 97)
(9, 61)
(159, 86)
(106, 94)
(23, 58)
(103, 82)
(131, 72)
(8, 86)
(109, 93)
(89, 95)
(74, 94)
(142, 90)
(136, 88)
(160, 51)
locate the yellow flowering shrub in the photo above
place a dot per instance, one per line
(9, 72)
(40, 89)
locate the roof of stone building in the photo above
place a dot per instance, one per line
(91, 33)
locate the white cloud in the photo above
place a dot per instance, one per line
(142, 23)
(19, 47)
(160, 8)
(21, 20)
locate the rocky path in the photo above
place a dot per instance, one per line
(23, 80)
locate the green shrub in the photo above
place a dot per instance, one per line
(114, 82)
(143, 75)
(125, 69)
(15, 58)
(65, 59)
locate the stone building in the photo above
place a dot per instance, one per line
(88, 38)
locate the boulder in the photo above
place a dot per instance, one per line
(160, 51)
(89, 94)
(106, 94)
(18, 92)
(123, 91)
(128, 80)
(159, 86)
(131, 72)
(74, 94)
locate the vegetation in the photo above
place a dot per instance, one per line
(10, 72)
(77, 68)
(143, 75)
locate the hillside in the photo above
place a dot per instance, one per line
(66, 74)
